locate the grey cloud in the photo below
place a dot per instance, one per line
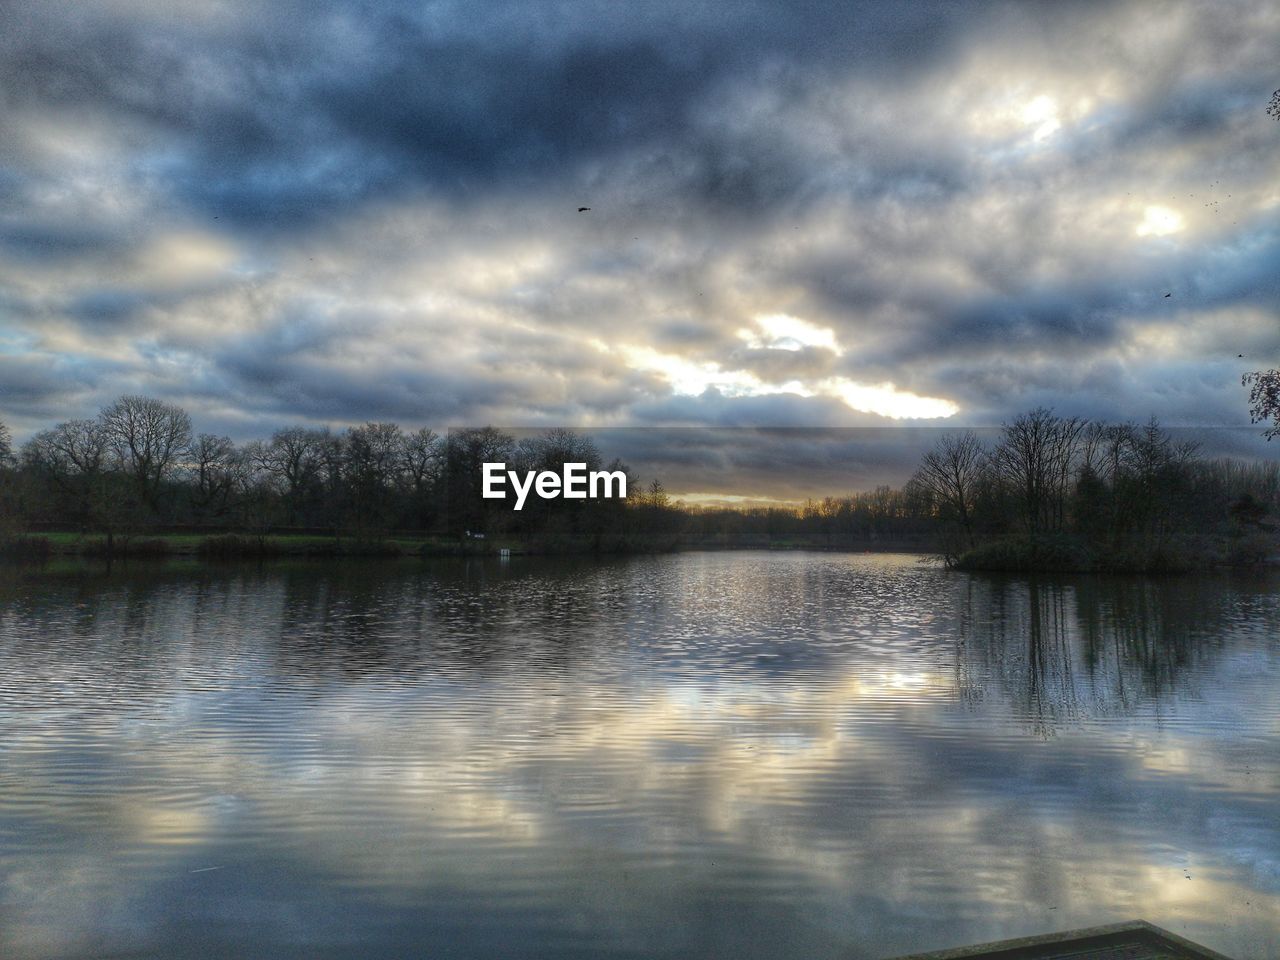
(677, 334)
(398, 186)
(109, 307)
(285, 112)
(789, 463)
(779, 366)
(42, 242)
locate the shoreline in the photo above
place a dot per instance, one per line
(233, 546)
(63, 546)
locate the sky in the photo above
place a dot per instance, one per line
(802, 214)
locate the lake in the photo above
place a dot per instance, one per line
(737, 755)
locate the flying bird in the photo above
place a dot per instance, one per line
(1168, 294)
(583, 209)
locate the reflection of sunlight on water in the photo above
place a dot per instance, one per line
(899, 686)
(178, 826)
(857, 742)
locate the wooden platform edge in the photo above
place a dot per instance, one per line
(1040, 945)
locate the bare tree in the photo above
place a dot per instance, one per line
(464, 452)
(291, 459)
(255, 493)
(213, 468)
(553, 449)
(148, 437)
(74, 460)
(421, 464)
(331, 453)
(374, 454)
(420, 459)
(950, 474)
(6, 445)
(292, 462)
(13, 505)
(76, 448)
(371, 467)
(1036, 458)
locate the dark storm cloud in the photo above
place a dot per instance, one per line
(108, 307)
(24, 383)
(35, 390)
(282, 112)
(49, 242)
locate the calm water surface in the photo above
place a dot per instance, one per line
(714, 755)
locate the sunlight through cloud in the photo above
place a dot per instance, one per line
(779, 331)
(1042, 113)
(692, 378)
(1159, 221)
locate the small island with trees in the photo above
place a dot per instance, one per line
(1064, 493)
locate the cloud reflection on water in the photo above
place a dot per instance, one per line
(734, 754)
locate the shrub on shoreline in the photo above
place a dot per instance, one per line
(1058, 553)
(1065, 553)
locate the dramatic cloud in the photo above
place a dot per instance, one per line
(801, 214)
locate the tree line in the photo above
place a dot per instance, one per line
(139, 466)
(1065, 492)
(1048, 491)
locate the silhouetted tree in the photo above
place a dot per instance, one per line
(464, 453)
(71, 459)
(371, 468)
(148, 437)
(291, 461)
(950, 475)
(420, 465)
(1036, 458)
(214, 468)
(76, 463)
(12, 507)
(1121, 496)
